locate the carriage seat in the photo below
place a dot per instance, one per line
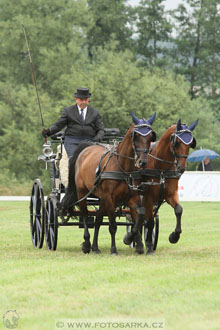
(111, 134)
(112, 131)
(61, 164)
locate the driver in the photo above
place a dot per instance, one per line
(82, 122)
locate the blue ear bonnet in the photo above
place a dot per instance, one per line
(184, 133)
(143, 126)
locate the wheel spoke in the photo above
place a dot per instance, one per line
(35, 232)
(38, 225)
(38, 230)
(34, 224)
(35, 197)
(51, 224)
(51, 235)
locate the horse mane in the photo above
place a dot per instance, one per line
(128, 132)
(71, 193)
(167, 133)
(166, 136)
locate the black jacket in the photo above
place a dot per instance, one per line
(207, 167)
(92, 126)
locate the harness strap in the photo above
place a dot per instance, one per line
(168, 174)
(136, 175)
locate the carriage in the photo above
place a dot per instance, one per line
(44, 211)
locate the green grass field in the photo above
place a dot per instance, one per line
(179, 285)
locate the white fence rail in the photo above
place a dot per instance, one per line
(193, 186)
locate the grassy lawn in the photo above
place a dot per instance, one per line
(179, 285)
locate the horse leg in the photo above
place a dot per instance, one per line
(137, 214)
(86, 246)
(175, 235)
(135, 233)
(98, 222)
(149, 242)
(112, 230)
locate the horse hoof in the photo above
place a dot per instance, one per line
(174, 237)
(114, 252)
(139, 251)
(128, 239)
(96, 251)
(150, 252)
(86, 247)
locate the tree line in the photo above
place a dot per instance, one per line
(141, 59)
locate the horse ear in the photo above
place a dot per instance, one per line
(191, 128)
(154, 136)
(193, 145)
(152, 118)
(135, 119)
(178, 125)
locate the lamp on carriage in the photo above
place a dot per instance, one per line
(47, 149)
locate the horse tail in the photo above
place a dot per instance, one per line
(71, 193)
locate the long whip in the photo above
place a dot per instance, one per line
(33, 75)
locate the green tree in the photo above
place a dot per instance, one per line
(197, 45)
(110, 19)
(153, 31)
(56, 35)
(20, 132)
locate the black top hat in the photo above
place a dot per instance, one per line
(83, 93)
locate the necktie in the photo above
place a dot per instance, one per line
(82, 116)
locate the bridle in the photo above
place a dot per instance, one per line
(173, 138)
(175, 155)
(135, 130)
(135, 149)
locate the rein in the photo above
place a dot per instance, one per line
(163, 160)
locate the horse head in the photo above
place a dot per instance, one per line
(181, 141)
(142, 135)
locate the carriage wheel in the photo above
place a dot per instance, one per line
(51, 223)
(155, 232)
(37, 214)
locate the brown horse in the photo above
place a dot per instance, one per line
(105, 173)
(166, 162)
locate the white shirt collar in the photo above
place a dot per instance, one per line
(84, 111)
